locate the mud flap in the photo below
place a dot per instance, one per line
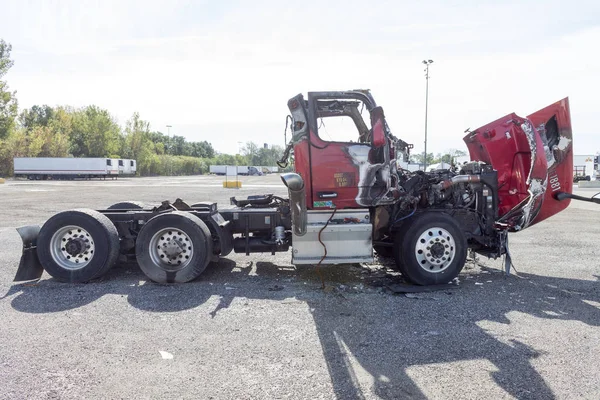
(29, 267)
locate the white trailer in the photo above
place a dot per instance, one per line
(127, 167)
(218, 169)
(65, 168)
(240, 170)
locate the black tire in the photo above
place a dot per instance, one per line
(189, 227)
(127, 205)
(384, 251)
(99, 231)
(431, 268)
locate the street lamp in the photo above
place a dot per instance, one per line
(171, 148)
(427, 64)
(169, 133)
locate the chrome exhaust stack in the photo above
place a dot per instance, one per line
(297, 193)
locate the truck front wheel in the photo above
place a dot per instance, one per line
(174, 247)
(431, 250)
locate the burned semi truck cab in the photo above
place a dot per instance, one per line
(348, 199)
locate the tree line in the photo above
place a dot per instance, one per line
(447, 157)
(64, 131)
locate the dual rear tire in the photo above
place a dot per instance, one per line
(174, 247)
(81, 245)
(78, 245)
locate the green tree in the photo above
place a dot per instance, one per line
(450, 155)
(138, 145)
(250, 151)
(8, 101)
(42, 141)
(418, 158)
(36, 116)
(94, 133)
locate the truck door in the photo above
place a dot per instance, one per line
(341, 149)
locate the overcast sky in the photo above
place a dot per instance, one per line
(222, 71)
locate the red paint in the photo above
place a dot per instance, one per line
(302, 167)
(328, 160)
(563, 169)
(504, 144)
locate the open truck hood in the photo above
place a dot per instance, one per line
(534, 160)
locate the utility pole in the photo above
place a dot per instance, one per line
(171, 148)
(427, 64)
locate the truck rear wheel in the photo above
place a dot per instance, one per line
(174, 248)
(77, 246)
(431, 250)
(127, 205)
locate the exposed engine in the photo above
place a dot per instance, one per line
(468, 193)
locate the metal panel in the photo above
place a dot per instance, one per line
(347, 238)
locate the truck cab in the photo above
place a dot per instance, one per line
(344, 150)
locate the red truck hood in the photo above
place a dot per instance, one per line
(534, 160)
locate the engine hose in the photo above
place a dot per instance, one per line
(324, 248)
(406, 216)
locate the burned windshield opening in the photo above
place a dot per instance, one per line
(351, 122)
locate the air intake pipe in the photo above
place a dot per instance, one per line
(297, 193)
(455, 180)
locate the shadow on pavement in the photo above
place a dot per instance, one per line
(384, 334)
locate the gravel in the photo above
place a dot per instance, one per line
(257, 327)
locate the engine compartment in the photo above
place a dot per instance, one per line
(468, 193)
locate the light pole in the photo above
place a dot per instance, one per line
(171, 148)
(427, 64)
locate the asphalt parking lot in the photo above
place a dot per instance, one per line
(257, 327)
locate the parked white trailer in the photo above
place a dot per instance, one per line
(218, 169)
(127, 167)
(65, 168)
(240, 170)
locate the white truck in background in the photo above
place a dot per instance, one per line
(240, 170)
(268, 170)
(42, 168)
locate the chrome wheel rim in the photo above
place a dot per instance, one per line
(435, 249)
(72, 247)
(171, 249)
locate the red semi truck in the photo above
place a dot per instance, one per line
(347, 200)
